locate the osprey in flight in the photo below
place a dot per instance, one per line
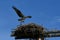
(20, 14)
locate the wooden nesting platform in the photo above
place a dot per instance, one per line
(30, 30)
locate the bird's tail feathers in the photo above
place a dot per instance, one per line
(29, 16)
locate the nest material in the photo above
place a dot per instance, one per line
(29, 30)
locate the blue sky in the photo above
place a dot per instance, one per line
(43, 12)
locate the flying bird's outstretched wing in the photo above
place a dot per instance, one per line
(18, 12)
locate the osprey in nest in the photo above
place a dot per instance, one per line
(22, 17)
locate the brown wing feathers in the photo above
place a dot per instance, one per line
(18, 12)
